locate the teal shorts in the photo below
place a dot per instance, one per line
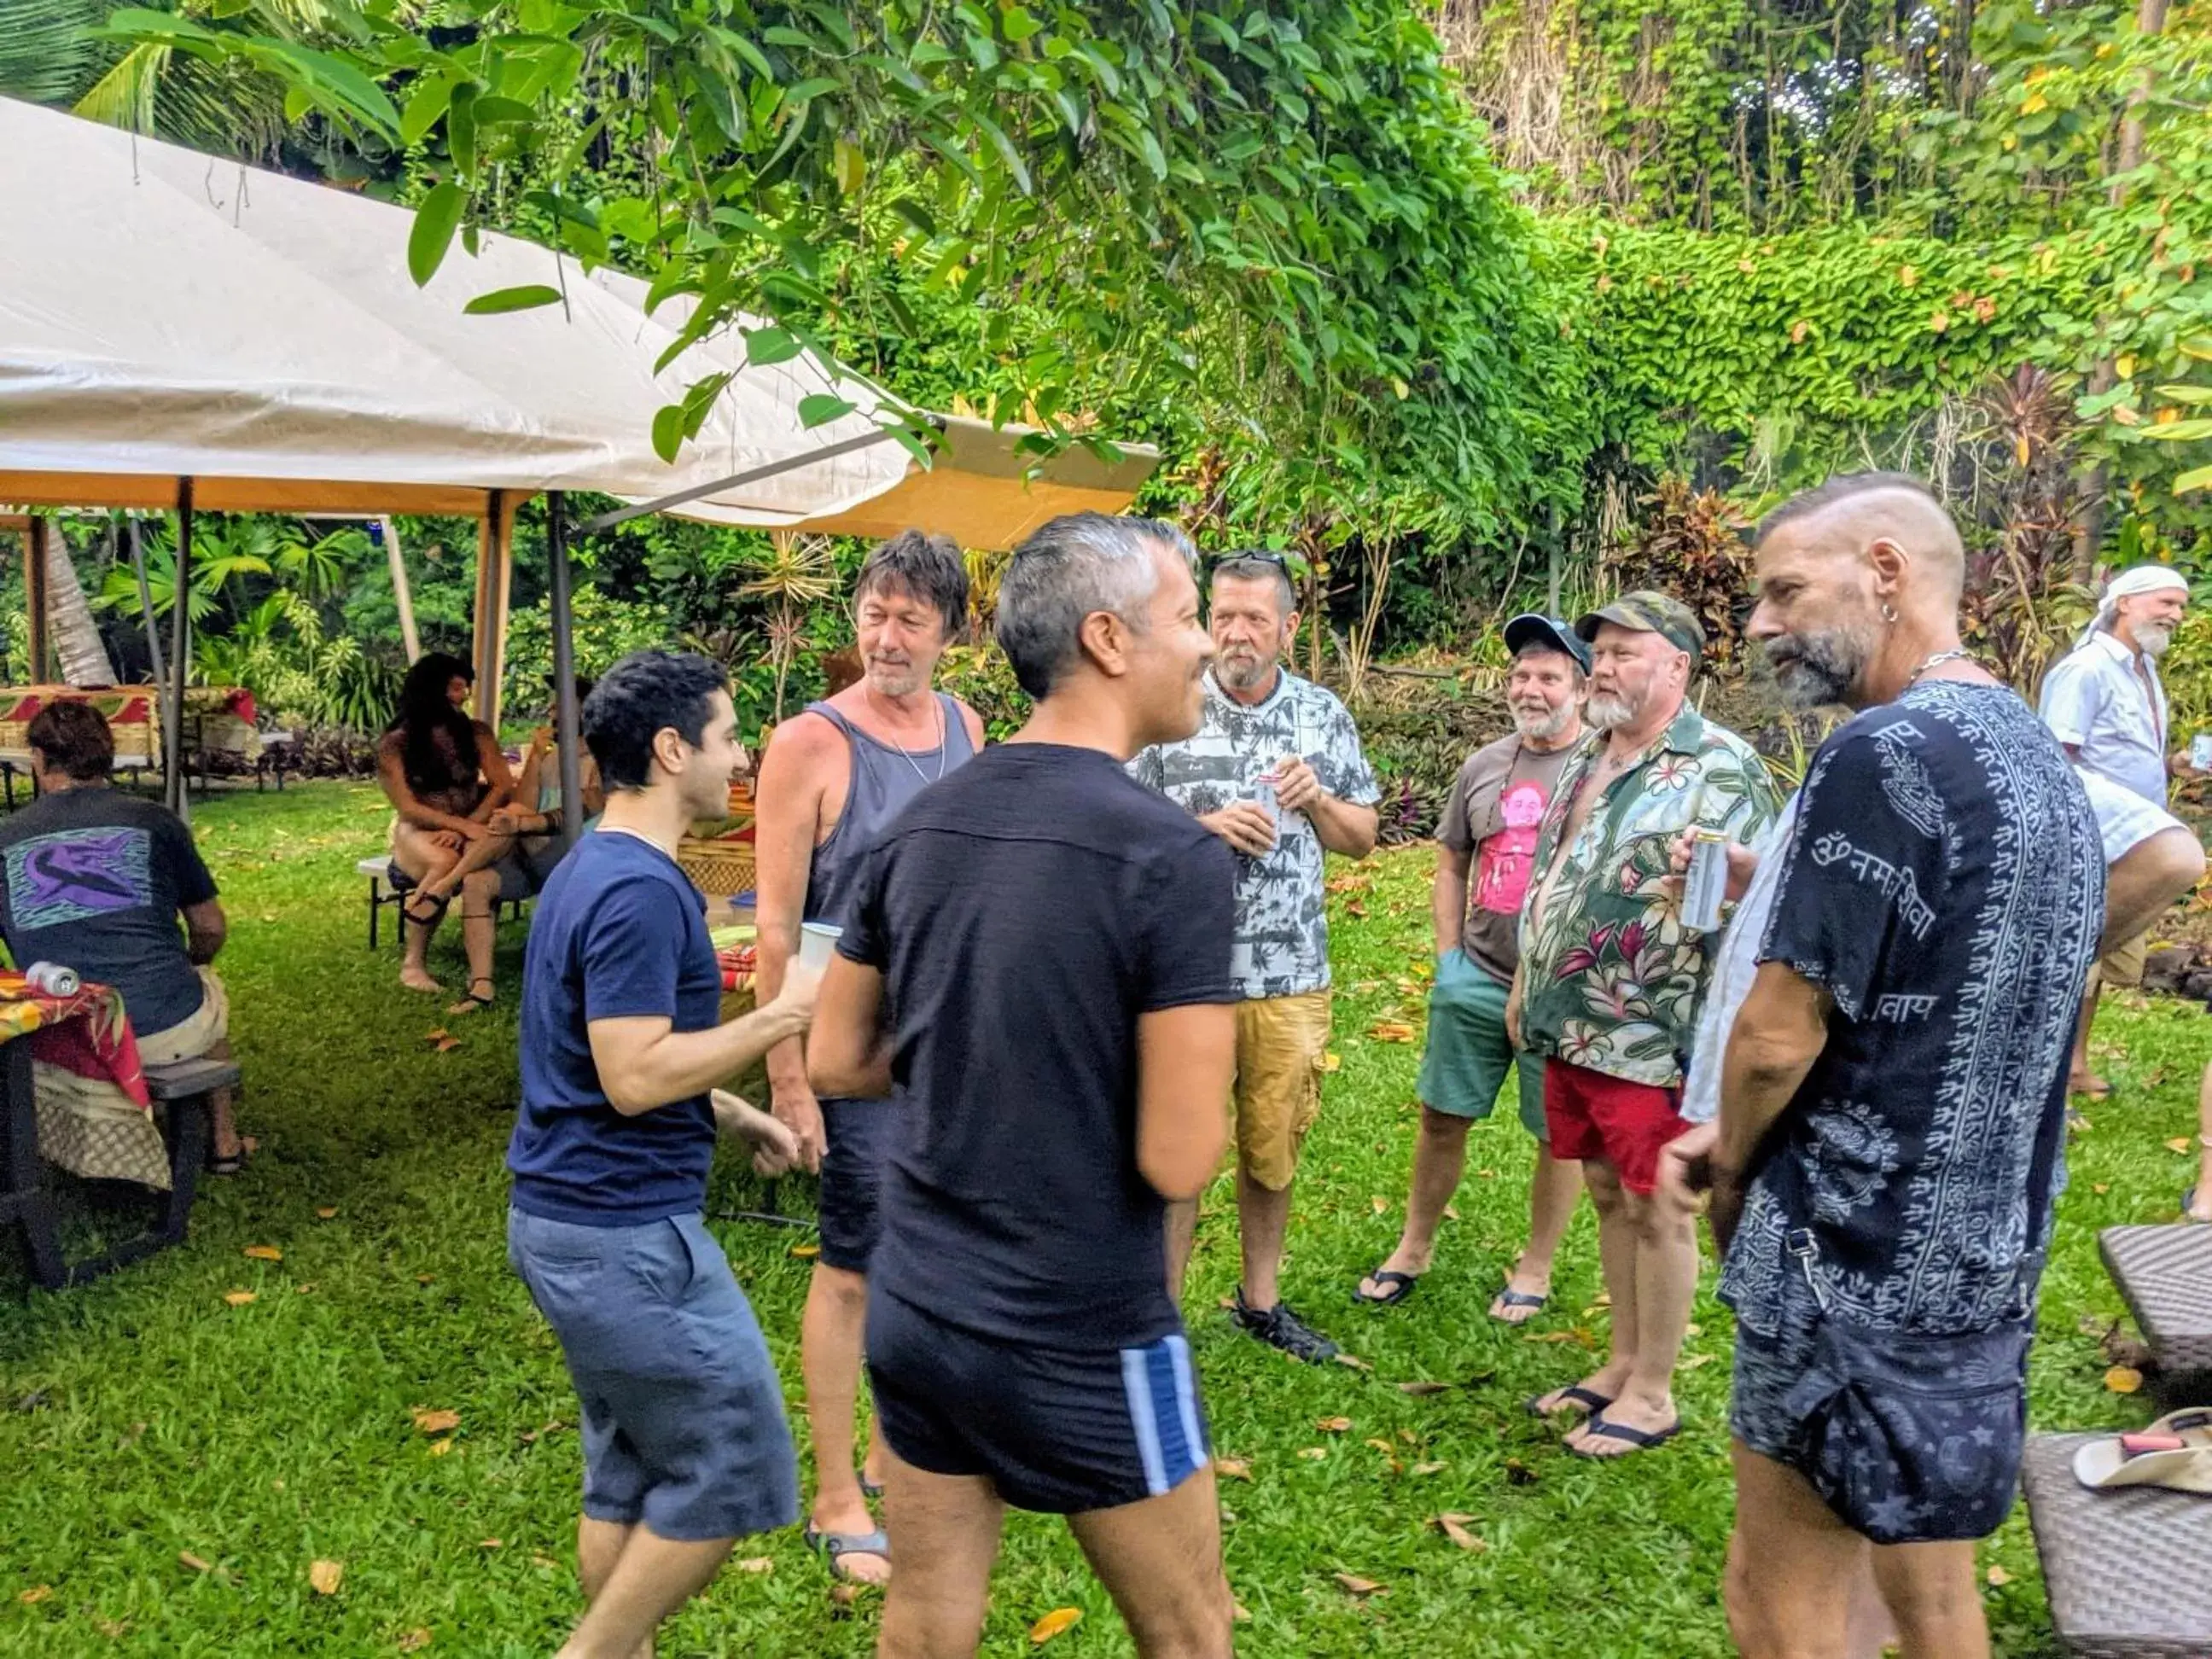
(1467, 1057)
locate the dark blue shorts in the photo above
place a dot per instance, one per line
(683, 1415)
(858, 1133)
(1056, 1430)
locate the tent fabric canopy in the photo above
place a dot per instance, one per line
(164, 315)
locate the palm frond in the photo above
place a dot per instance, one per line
(124, 96)
(47, 50)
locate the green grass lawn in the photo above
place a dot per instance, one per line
(177, 1463)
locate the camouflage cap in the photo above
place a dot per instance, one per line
(1649, 612)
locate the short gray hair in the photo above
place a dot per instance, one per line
(1072, 568)
(1260, 568)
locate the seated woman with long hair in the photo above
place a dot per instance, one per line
(445, 775)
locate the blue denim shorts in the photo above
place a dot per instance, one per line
(683, 1415)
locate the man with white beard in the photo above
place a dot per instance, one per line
(1486, 853)
(1610, 982)
(2105, 705)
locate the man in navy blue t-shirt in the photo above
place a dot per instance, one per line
(685, 1447)
(1046, 944)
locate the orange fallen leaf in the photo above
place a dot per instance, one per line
(2124, 1379)
(438, 1036)
(1390, 1030)
(1352, 1584)
(844, 1594)
(425, 1278)
(2179, 1144)
(36, 1594)
(264, 1253)
(1999, 1576)
(325, 1576)
(1332, 1063)
(446, 1045)
(1454, 1527)
(1053, 1622)
(491, 1544)
(2101, 1188)
(545, 1561)
(239, 1298)
(1381, 1205)
(436, 1422)
(193, 1561)
(415, 1641)
(806, 1252)
(757, 1564)
(1232, 1468)
(1333, 1425)
(440, 1447)
(1355, 909)
(328, 1212)
(1430, 1468)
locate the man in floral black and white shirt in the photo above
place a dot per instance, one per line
(1275, 770)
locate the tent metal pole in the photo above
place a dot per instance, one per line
(789, 463)
(37, 606)
(567, 719)
(146, 611)
(174, 790)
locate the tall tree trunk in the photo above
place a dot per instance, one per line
(2089, 530)
(75, 637)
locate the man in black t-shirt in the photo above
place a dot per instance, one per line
(1048, 945)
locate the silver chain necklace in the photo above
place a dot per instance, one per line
(1961, 655)
(943, 750)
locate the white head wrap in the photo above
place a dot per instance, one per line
(2142, 579)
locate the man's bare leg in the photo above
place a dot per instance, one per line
(1616, 1255)
(2079, 1079)
(1554, 1188)
(1666, 1280)
(1182, 1236)
(1160, 1559)
(947, 1526)
(2201, 1209)
(1933, 1596)
(1439, 1161)
(599, 1546)
(652, 1577)
(830, 1334)
(1263, 1220)
(1788, 1594)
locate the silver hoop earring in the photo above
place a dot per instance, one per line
(1888, 612)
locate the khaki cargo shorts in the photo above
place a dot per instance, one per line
(1282, 1047)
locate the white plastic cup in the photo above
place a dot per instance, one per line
(817, 943)
(2200, 751)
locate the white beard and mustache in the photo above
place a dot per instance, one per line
(2152, 639)
(1543, 725)
(1607, 710)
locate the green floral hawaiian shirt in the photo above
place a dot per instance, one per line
(1611, 979)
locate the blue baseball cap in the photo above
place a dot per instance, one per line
(1551, 633)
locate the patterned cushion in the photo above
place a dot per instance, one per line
(2129, 1573)
(2165, 1275)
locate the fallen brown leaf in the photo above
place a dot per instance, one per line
(193, 1561)
(844, 1594)
(264, 1253)
(446, 1045)
(1390, 1030)
(36, 1594)
(545, 1561)
(440, 1447)
(415, 1640)
(327, 1213)
(2124, 1379)
(1239, 1614)
(1454, 1527)
(1999, 1576)
(1418, 1389)
(1430, 1468)
(1333, 1425)
(1451, 1212)
(1352, 1584)
(1053, 1622)
(1332, 1063)
(1313, 1453)
(438, 1036)
(1355, 1362)
(436, 1422)
(806, 1252)
(113, 1629)
(757, 1564)
(1232, 1468)
(491, 1543)
(1355, 909)
(1691, 1362)
(239, 1298)
(2101, 1188)
(1381, 1205)
(325, 1576)
(2179, 1143)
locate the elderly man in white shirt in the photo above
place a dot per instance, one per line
(2105, 703)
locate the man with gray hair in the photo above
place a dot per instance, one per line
(2104, 701)
(1276, 771)
(1036, 960)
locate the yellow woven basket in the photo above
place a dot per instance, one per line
(717, 866)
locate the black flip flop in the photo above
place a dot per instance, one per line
(1400, 1286)
(437, 911)
(471, 1002)
(1639, 1440)
(1578, 1394)
(1513, 1298)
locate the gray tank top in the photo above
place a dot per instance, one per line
(885, 779)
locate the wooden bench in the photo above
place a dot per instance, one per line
(180, 1090)
(2128, 1571)
(2165, 1274)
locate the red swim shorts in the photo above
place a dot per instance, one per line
(1592, 1115)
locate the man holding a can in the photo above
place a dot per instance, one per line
(2104, 701)
(1275, 769)
(1611, 979)
(1485, 854)
(833, 777)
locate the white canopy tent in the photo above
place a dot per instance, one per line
(179, 333)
